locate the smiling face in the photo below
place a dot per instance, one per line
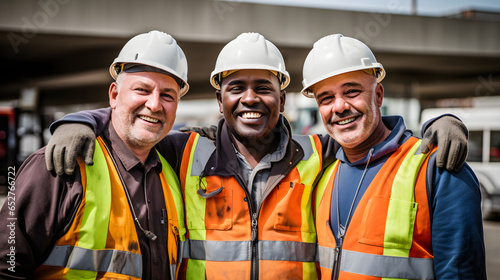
(349, 106)
(251, 102)
(144, 107)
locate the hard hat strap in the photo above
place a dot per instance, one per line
(118, 68)
(370, 71)
(281, 78)
(373, 71)
(217, 79)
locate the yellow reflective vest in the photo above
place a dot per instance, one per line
(102, 241)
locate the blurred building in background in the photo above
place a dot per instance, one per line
(55, 56)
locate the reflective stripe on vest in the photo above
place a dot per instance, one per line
(85, 263)
(238, 250)
(378, 265)
(220, 228)
(393, 258)
(82, 252)
(402, 207)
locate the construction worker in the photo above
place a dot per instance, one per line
(384, 209)
(248, 195)
(122, 217)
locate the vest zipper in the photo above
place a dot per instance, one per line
(337, 259)
(254, 264)
(255, 259)
(254, 227)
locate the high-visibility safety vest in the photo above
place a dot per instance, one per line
(227, 240)
(102, 241)
(389, 235)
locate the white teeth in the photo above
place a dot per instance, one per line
(251, 115)
(346, 121)
(148, 119)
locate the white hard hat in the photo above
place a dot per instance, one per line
(334, 55)
(156, 49)
(250, 51)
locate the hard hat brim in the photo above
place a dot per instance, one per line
(307, 85)
(182, 91)
(249, 67)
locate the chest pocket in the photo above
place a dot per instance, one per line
(373, 229)
(219, 208)
(293, 207)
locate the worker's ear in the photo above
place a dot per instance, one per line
(282, 101)
(219, 100)
(379, 91)
(113, 94)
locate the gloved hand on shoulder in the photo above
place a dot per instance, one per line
(67, 142)
(451, 137)
(209, 132)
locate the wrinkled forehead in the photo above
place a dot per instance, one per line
(164, 82)
(355, 78)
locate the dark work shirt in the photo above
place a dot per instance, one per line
(46, 204)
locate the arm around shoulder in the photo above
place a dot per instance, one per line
(74, 135)
(330, 149)
(96, 119)
(172, 147)
(457, 228)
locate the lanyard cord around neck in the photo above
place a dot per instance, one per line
(341, 230)
(149, 234)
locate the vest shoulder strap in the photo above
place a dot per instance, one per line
(402, 208)
(310, 165)
(94, 226)
(323, 183)
(202, 150)
(305, 142)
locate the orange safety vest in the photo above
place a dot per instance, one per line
(102, 241)
(225, 240)
(389, 235)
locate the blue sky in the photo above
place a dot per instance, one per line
(424, 7)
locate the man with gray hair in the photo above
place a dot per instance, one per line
(384, 209)
(121, 217)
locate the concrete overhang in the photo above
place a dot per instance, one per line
(60, 46)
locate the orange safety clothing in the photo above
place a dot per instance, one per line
(102, 241)
(389, 235)
(227, 237)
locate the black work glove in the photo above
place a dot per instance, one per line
(209, 132)
(450, 135)
(67, 142)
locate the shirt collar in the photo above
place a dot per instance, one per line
(275, 156)
(129, 160)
